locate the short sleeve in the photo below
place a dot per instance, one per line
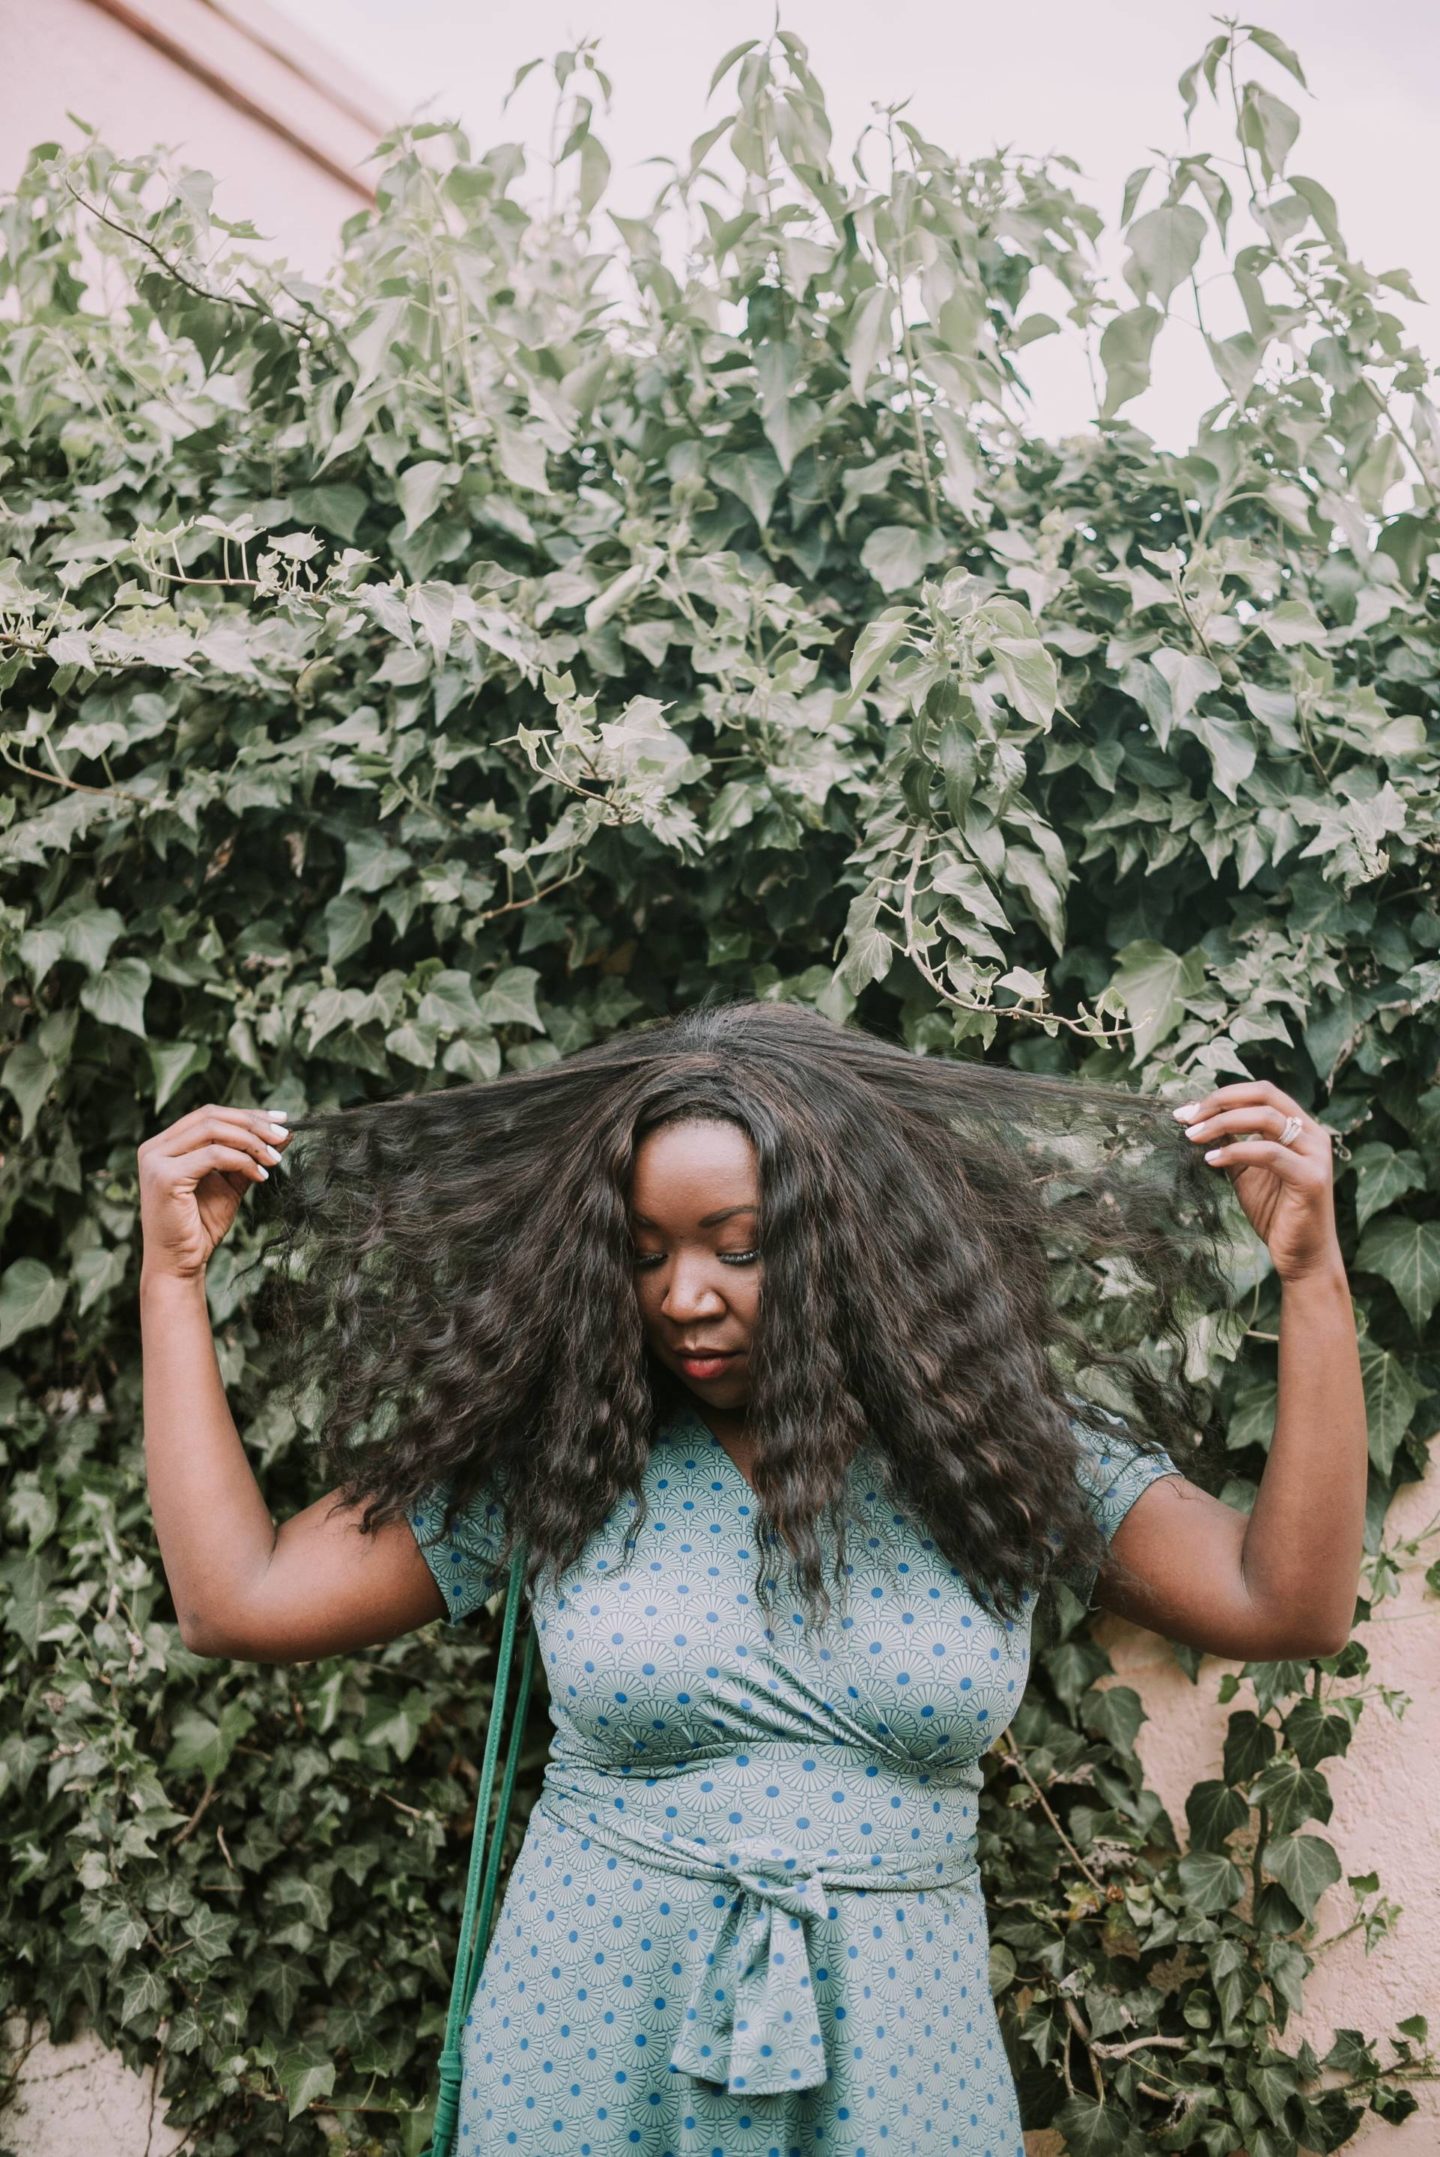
(464, 1563)
(1112, 1472)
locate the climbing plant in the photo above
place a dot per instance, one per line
(551, 617)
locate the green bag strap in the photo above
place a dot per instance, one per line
(475, 1937)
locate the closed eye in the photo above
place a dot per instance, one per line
(646, 1259)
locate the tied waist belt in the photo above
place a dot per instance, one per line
(751, 2021)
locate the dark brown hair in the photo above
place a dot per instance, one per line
(455, 1274)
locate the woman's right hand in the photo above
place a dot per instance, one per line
(193, 1175)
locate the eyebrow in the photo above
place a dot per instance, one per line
(711, 1220)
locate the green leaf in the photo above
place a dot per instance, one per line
(754, 476)
(30, 1296)
(1125, 347)
(1153, 983)
(1090, 2129)
(28, 1075)
(510, 999)
(305, 2076)
(521, 456)
(1028, 672)
(1165, 246)
(736, 52)
(1304, 1865)
(419, 489)
(1381, 1177)
(865, 332)
(1268, 127)
(334, 507)
(1268, 41)
(172, 1063)
(594, 176)
(117, 997)
(877, 643)
(1407, 1255)
(897, 555)
(1392, 1396)
(1211, 1882)
(1214, 1812)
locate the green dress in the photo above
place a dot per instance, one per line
(745, 1919)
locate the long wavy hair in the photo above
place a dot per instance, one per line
(454, 1275)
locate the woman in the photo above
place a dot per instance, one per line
(739, 1284)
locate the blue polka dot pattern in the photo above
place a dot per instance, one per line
(745, 1918)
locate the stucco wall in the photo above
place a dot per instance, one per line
(75, 2099)
(71, 56)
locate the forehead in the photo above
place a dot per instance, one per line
(693, 1168)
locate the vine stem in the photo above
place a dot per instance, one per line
(1007, 1745)
(965, 1003)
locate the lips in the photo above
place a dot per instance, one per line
(704, 1363)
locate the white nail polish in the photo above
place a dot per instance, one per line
(265, 1174)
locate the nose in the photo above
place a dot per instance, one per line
(691, 1292)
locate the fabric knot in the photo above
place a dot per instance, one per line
(751, 2021)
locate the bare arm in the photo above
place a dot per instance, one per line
(242, 1587)
(1282, 1580)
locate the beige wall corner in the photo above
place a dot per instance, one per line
(1384, 1819)
(285, 129)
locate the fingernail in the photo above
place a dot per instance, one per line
(1214, 1153)
(265, 1173)
(279, 1114)
(277, 1130)
(1189, 1109)
(273, 1155)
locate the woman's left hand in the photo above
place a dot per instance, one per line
(1288, 1192)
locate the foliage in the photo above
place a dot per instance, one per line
(548, 619)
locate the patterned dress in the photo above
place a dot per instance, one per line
(745, 1919)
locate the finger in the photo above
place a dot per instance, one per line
(246, 1128)
(1290, 1166)
(1261, 1119)
(207, 1122)
(190, 1167)
(1244, 1092)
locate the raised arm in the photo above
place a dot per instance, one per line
(1282, 1580)
(242, 1586)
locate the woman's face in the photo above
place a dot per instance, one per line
(694, 1220)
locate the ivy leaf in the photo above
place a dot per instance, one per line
(1212, 1882)
(510, 999)
(1381, 1177)
(1304, 1865)
(1153, 984)
(30, 1296)
(1090, 2129)
(1214, 1811)
(117, 997)
(1392, 1396)
(305, 2075)
(172, 1063)
(1407, 1255)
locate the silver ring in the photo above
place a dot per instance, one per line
(1294, 1125)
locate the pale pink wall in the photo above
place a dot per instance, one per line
(69, 56)
(1386, 1818)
